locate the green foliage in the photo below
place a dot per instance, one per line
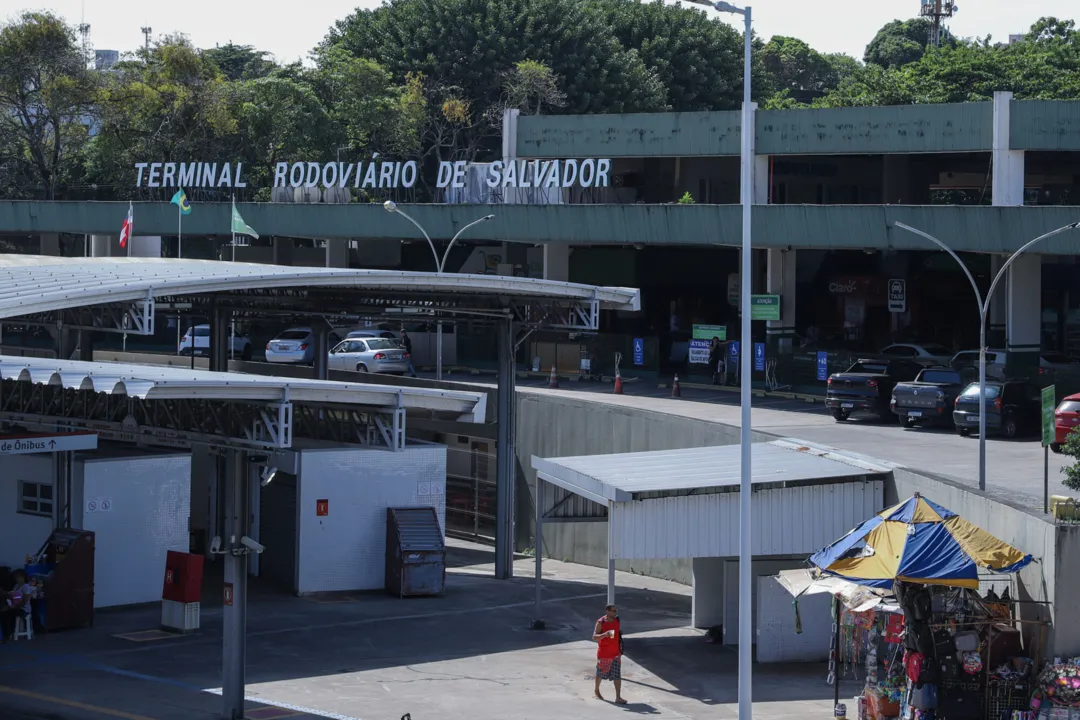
(531, 86)
(800, 71)
(686, 199)
(1071, 448)
(240, 62)
(899, 43)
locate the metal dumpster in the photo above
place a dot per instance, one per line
(415, 552)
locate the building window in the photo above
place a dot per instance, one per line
(35, 498)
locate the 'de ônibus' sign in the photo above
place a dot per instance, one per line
(591, 172)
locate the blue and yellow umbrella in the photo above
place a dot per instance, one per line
(921, 542)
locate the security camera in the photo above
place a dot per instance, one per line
(252, 545)
(267, 476)
(215, 545)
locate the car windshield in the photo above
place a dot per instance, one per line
(293, 335)
(381, 344)
(1070, 406)
(940, 376)
(1056, 358)
(972, 390)
(202, 332)
(937, 349)
(872, 368)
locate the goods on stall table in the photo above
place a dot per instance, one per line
(1061, 684)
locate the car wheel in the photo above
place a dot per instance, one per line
(964, 432)
(841, 415)
(1056, 448)
(245, 354)
(1009, 428)
(361, 367)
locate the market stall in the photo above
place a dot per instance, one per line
(932, 646)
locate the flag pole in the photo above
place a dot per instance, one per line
(179, 235)
(232, 321)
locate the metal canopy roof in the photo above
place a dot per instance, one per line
(32, 284)
(635, 476)
(148, 382)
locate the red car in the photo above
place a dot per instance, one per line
(1066, 419)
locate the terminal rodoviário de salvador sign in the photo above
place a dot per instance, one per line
(590, 172)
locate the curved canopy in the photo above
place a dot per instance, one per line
(34, 283)
(918, 541)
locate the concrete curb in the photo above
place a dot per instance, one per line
(756, 393)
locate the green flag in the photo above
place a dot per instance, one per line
(239, 227)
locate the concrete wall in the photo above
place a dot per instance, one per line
(21, 534)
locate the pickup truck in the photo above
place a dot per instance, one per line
(929, 399)
(867, 387)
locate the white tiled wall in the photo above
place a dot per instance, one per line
(21, 534)
(149, 503)
(346, 549)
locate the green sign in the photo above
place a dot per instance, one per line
(708, 332)
(1049, 404)
(764, 307)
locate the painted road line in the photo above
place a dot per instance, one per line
(289, 706)
(52, 700)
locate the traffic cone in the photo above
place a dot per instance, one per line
(618, 383)
(675, 390)
(553, 379)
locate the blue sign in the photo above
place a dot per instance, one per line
(734, 348)
(639, 351)
(759, 357)
(822, 365)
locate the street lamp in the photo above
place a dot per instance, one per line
(984, 310)
(747, 187)
(440, 266)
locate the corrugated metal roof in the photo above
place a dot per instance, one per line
(34, 283)
(629, 476)
(159, 382)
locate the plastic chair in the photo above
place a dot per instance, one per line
(24, 628)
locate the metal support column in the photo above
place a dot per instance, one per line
(234, 642)
(537, 622)
(219, 339)
(86, 345)
(322, 352)
(610, 559)
(506, 462)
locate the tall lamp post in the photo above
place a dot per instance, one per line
(984, 310)
(747, 195)
(440, 266)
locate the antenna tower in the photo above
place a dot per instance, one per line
(146, 30)
(937, 11)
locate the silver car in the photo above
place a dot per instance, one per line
(296, 346)
(377, 355)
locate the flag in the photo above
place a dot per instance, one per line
(180, 201)
(126, 228)
(239, 227)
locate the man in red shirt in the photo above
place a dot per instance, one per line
(608, 636)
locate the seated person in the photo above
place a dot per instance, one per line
(15, 602)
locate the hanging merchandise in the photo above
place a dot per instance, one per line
(894, 628)
(1061, 685)
(973, 663)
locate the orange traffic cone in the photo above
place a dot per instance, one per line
(675, 391)
(553, 379)
(618, 383)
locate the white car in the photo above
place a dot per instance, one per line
(374, 333)
(925, 354)
(968, 360)
(241, 346)
(369, 354)
(296, 346)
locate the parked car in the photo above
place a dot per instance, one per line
(371, 354)
(200, 345)
(929, 398)
(296, 346)
(931, 353)
(1056, 362)
(867, 387)
(1066, 419)
(1013, 408)
(374, 333)
(967, 361)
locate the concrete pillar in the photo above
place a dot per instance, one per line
(1023, 332)
(283, 251)
(148, 246)
(50, 244)
(557, 262)
(708, 592)
(337, 253)
(1008, 164)
(762, 180)
(999, 304)
(780, 280)
(509, 134)
(105, 246)
(896, 180)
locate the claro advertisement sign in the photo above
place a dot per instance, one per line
(590, 172)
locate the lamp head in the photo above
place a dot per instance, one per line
(728, 8)
(488, 217)
(390, 206)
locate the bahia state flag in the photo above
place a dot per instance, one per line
(180, 200)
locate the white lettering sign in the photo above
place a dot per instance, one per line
(29, 444)
(379, 174)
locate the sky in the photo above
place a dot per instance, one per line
(290, 31)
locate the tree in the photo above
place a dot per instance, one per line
(46, 100)
(1071, 448)
(531, 86)
(899, 43)
(805, 73)
(240, 62)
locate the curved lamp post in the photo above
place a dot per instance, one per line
(984, 310)
(440, 266)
